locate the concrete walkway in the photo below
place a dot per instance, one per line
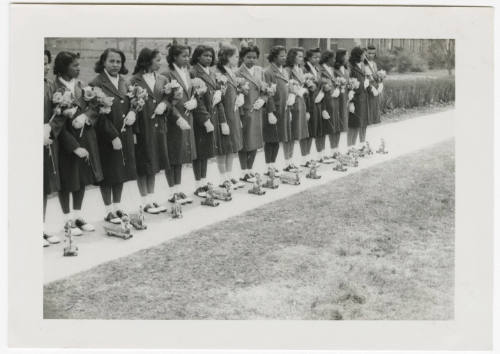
(95, 248)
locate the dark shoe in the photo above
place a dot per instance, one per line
(149, 208)
(112, 218)
(51, 239)
(226, 185)
(160, 208)
(248, 178)
(237, 184)
(83, 225)
(120, 213)
(201, 192)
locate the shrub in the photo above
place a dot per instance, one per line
(416, 92)
(386, 61)
(413, 62)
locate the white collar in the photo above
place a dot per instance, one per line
(205, 69)
(69, 84)
(180, 70)
(313, 69)
(114, 80)
(328, 68)
(250, 70)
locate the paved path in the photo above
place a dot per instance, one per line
(95, 248)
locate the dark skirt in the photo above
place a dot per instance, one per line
(373, 109)
(300, 129)
(51, 181)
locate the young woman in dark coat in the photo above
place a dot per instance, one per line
(115, 134)
(180, 132)
(313, 104)
(79, 160)
(300, 116)
(151, 147)
(52, 128)
(277, 126)
(358, 118)
(207, 116)
(341, 70)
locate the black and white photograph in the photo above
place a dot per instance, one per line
(250, 177)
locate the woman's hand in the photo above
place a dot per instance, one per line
(130, 118)
(117, 143)
(183, 124)
(81, 152)
(79, 121)
(350, 95)
(336, 92)
(366, 83)
(160, 109)
(325, 115)
(217, 97)
(319, 97)
(191, 104)
(224, 127)
(308, 116)
(209, 126)
(351, 107)
(290, 100)
(272, 118)
(240, 100)
(380, 87)
(258, 104)
(46, 134)
(70, 112)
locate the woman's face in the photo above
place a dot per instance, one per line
(331, 61)
(113, 63)
(73, 69)
(233, 60)
(371, 54)
(156, 63)
(299, 58)
(206, 58)
(281, 58)
(346, 58)
(46, 65)
(314, 60)
(250, 59)
(182, 59)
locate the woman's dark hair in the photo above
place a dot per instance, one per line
(47, 54)
(355, 56)
(198, 52)
(291, 55)
(326, 56)
(174, 50)
(225, 52)
(249, 49)
(372, 47)
(339, 58)
(62, 61)
(275, 52)
(311, 52)
(99, 65)
(145, 60)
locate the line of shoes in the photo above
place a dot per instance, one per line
(78, 227)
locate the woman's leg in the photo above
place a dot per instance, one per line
(106, 197)
(271, 153)
(352, 136)
(117, 190)
(221, 165)
(78, 201)
(44, 205)
(251, 159)
(243, 157)
(64, 201)
(362, 134)
(197, 171)
(150, 184)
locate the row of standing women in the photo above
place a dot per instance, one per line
(241, 110)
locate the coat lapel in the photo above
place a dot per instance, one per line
(181, 82)
(297, 76)
(207, 78)
(109, 85)
(246, 74)
(278, 73)
(141, 82)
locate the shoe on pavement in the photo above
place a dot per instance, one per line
(161, 208)
(51, 238)
(45, 242)
(150, 209)
(112, 218)
(83, 225)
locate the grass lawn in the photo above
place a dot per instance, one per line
(378, 244)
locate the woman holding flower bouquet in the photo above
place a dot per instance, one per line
(252, 110)
(313, 104)
(297, 101)
(231, 127)
(376, 87)
(114, 128)
(52, 127)
(79, 160)
(332, 120)
(277, 126)
(180, 133)
(358, 107)
(341, 71)
(150, 106)
(208, 116)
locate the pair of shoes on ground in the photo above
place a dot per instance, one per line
(201, 191)
(154, 208)
(115, 217)
(79, 225)
(50, 240)
(181, 198)
(248, 177)
(292, 168)
(232, 184)
(276, 172)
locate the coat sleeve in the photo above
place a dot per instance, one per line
(67, 140)
(201, 113)
(270, 104)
